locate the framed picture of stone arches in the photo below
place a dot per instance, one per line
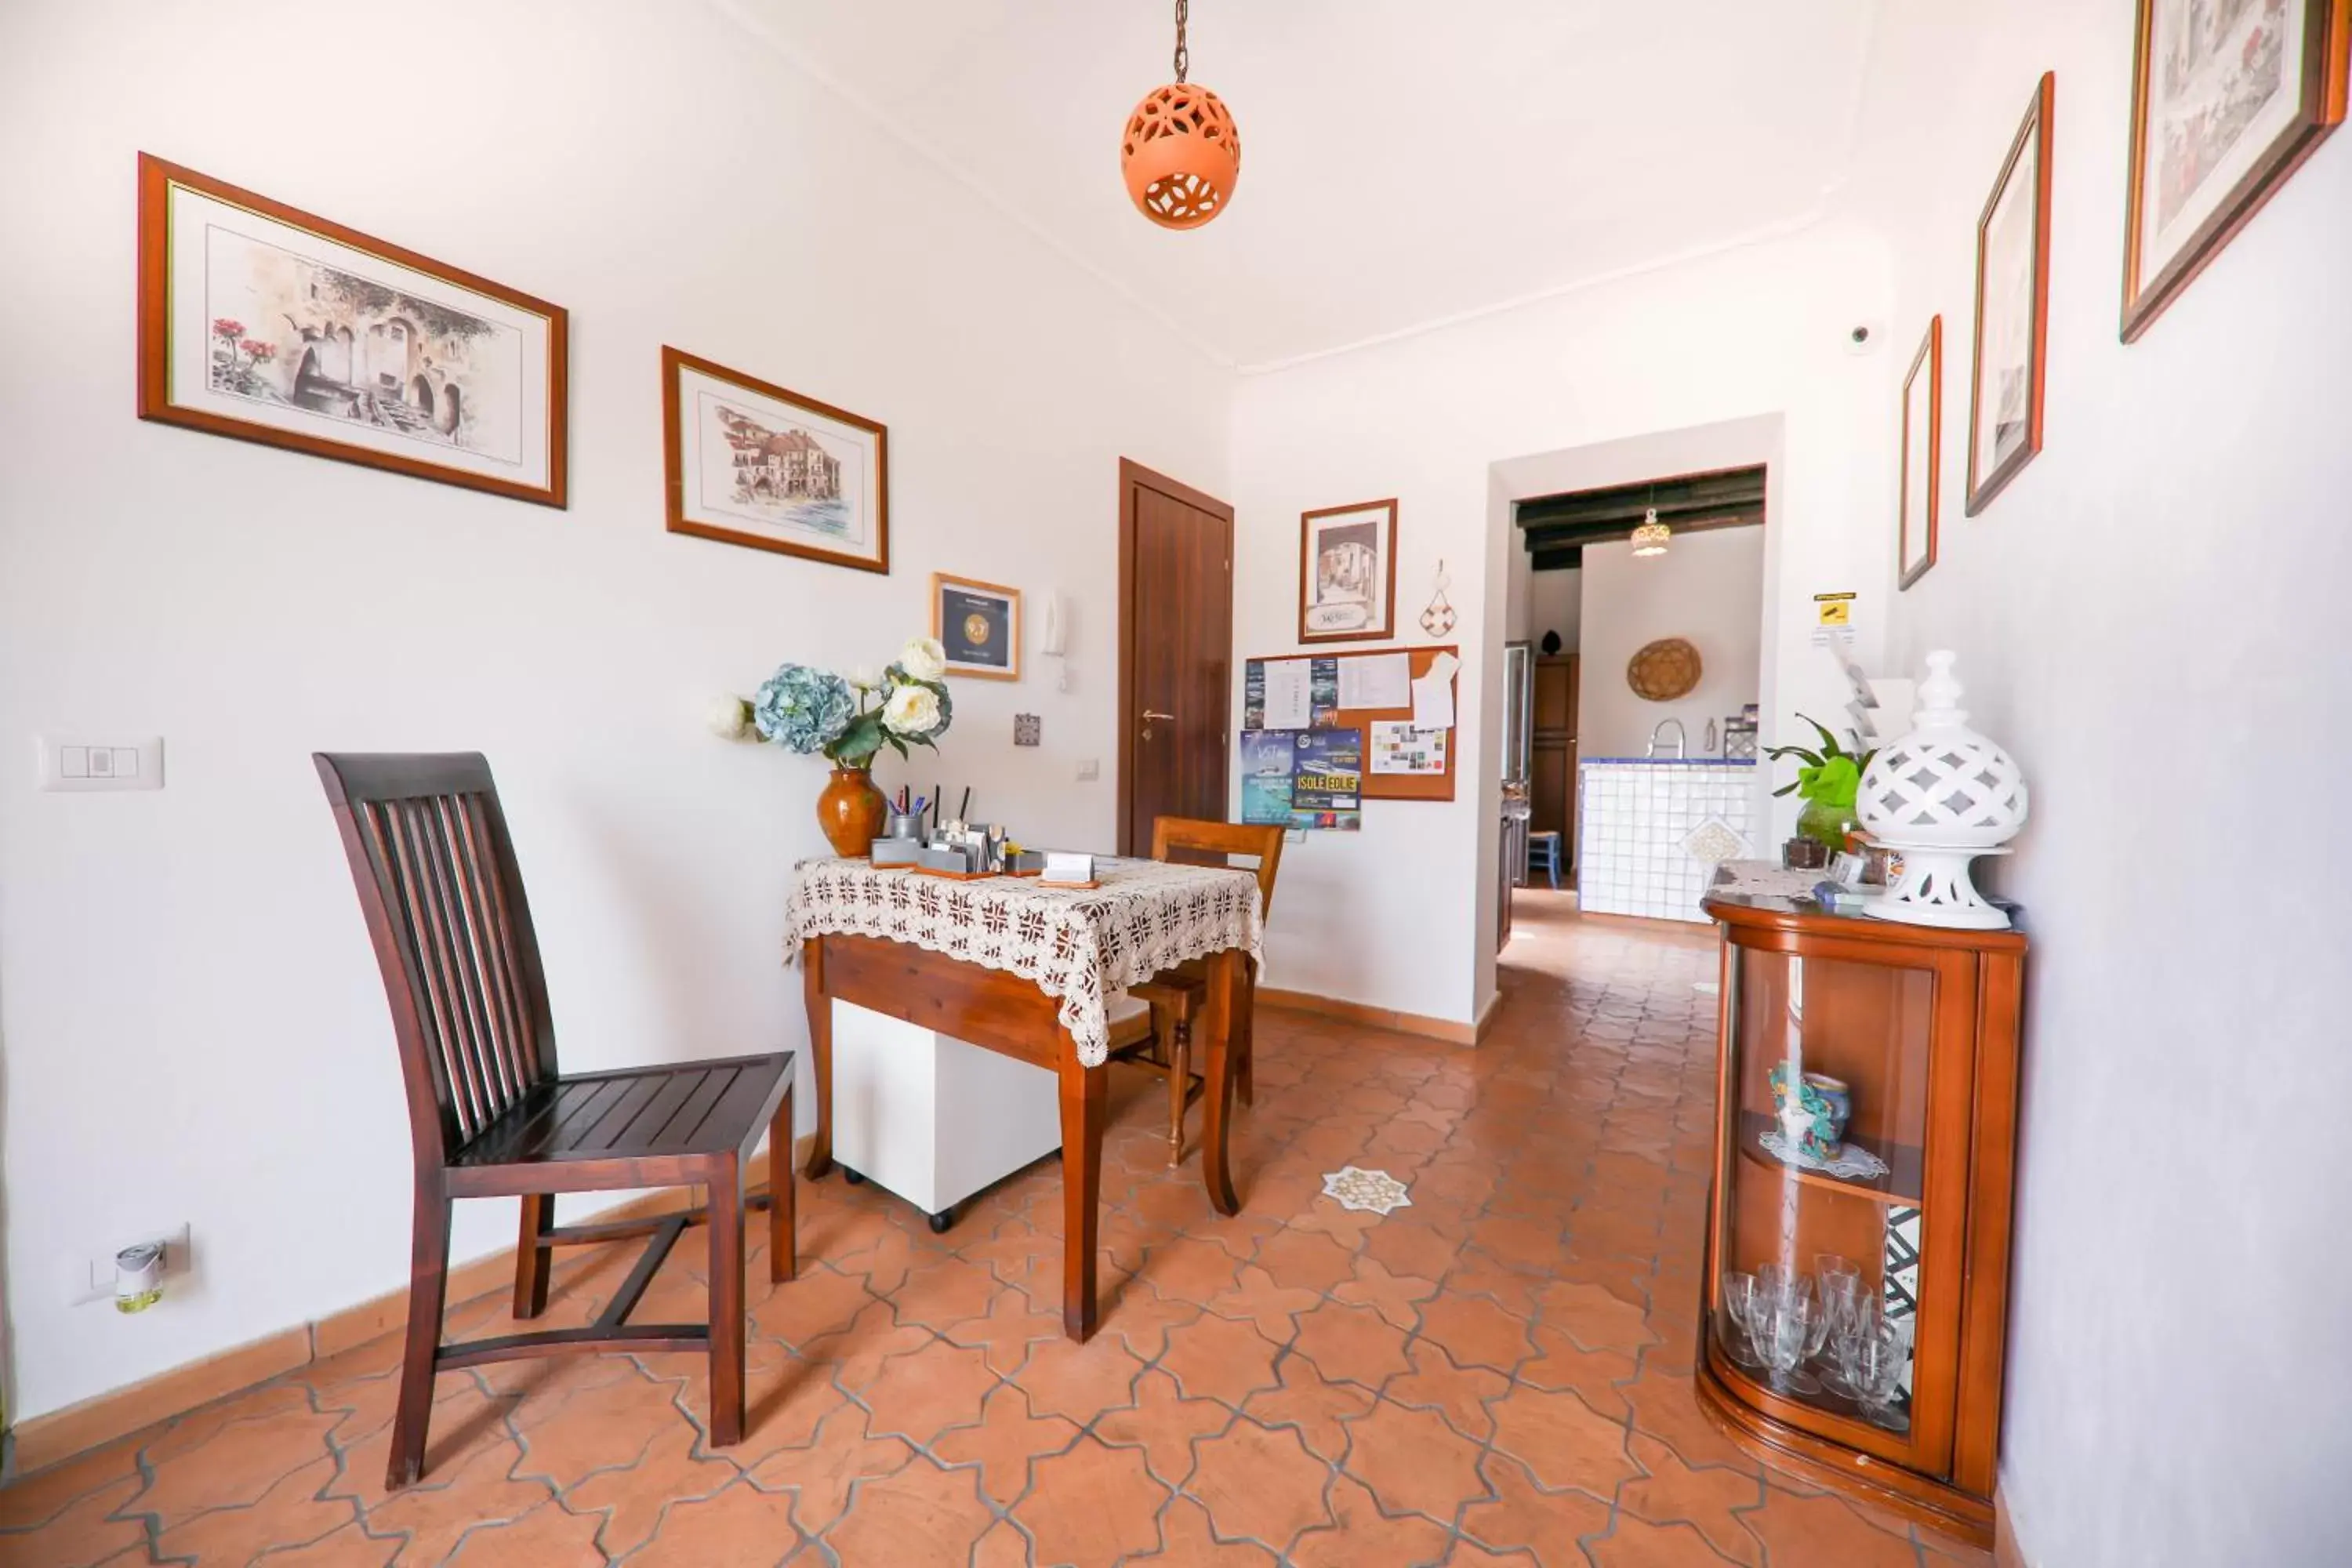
(266, 323)
(2228, 98)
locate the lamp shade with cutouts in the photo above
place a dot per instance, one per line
(1181, 155)
(1941, 794)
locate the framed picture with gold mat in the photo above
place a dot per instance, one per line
(979, 626)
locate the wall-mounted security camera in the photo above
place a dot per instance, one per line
(1861, 338)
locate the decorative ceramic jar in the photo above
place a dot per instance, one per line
(1941, 795)
(852, 810)
(1814, 1118)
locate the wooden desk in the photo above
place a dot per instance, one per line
(1004, 1013)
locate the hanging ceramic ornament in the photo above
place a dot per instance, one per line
(1438, 619)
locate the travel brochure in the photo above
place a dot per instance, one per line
(1303, 778)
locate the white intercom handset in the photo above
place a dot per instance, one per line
(1051, 641)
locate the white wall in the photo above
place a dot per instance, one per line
(1555, 603)
(1707, 589)
(2151, 619)
(192, 1024)
(1401, 915)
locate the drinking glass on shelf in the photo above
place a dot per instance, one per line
(1780, 1282)
(1740, 1301)
(1873, 1359)
(1792, 1323)
(1846, 1299)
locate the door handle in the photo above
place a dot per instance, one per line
(1149, 716)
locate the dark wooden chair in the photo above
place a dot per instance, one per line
(489, 1116)
(1163, 1040)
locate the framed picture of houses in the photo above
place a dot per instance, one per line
(1347, 573)
(752, 463)
(2228, 99)
(266, 323)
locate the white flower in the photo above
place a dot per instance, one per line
(912, 710)
(863, 677)
(729, 718)
(923, 658)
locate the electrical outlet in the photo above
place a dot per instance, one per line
(91, 1279)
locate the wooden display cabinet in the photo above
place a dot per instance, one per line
(1921, 1023)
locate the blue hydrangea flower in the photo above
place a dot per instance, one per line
(801, 708)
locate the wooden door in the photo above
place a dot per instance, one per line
(1175, 665)
(1552, 785)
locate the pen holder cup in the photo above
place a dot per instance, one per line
(905, 825)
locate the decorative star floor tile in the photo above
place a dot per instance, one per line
(1365, 1192)
(1476, 1379)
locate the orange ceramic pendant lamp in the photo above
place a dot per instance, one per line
(1181, 153)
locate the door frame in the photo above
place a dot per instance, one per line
(1131, 474)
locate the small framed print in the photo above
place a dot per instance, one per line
(979, 626)
(266, 323)
(2228, 99)
(752, 463)
(2006, 371)
(1923, 457)
(1347, 573)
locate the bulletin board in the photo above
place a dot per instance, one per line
(1382, 786)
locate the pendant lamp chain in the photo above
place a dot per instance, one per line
(1183, 55)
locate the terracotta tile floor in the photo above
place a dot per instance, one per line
(1499, 1374)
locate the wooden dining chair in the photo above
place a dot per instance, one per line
(1162, 1040)
(490, 1116)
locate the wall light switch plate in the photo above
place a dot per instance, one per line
(95, 762)
(1090, 769)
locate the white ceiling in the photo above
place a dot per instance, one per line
(1402, 164)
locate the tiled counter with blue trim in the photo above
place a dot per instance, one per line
(1650, 832)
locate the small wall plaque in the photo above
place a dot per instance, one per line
(1028, 728)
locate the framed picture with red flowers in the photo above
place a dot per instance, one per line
(266, 323)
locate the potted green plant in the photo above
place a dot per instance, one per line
(1828, 780)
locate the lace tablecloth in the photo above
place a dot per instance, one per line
(1079, 945)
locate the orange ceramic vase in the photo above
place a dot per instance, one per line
(851, 811)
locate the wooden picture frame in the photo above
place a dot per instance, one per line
(1919, 502)
(1347, 573)
(2012, 284)
(263, 323)
(978, 625)
(2303, 56)
(745, 461)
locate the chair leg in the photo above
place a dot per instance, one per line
(726, 1213)
(1179, 1048)
(783, 1256)
(532, 1254)
(428, 1278)
(1245, 1029)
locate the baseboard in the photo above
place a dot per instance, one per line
(46, 1439)
(1446, 1029)
(1487, 1014)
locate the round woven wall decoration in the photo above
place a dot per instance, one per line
(1664, 670)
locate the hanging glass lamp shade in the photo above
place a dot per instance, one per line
(1651, 537)
(1181, 153)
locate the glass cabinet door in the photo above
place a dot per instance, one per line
(1823, 1201)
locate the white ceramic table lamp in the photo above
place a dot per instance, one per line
(1941, 794)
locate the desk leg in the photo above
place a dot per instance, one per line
(1083, 1103)
(1223, 1021)
(820, 1026)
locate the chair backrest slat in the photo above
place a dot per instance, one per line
(1190, 838)
(438, 881)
